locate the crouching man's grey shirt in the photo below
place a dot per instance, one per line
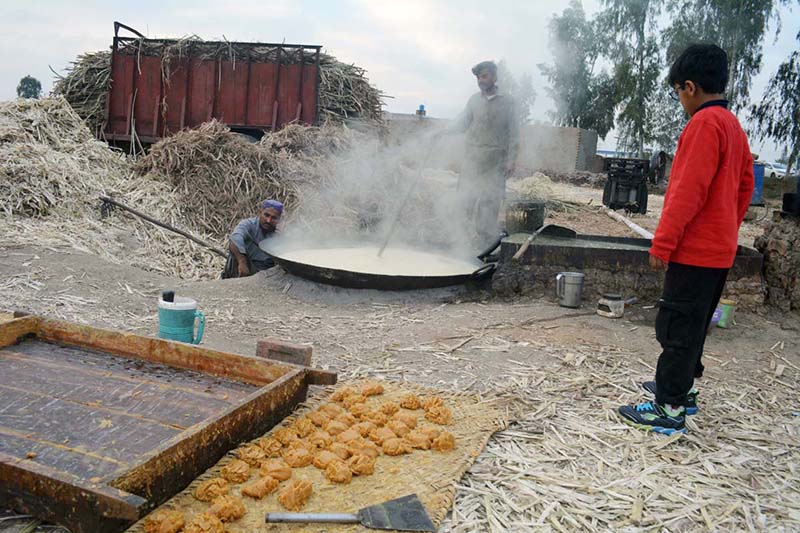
(246, 236)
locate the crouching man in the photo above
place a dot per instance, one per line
(245, 256)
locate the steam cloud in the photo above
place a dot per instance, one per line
(364, 190)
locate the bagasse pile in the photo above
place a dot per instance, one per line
(344, 92)
(85, 87)
(581, 178)
(51, 162)
(203, 180)
(219, 177)
(52, 171)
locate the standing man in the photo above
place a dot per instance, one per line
(246, 257)
(491, 124)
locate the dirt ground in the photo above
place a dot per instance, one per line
(457, 338)
(447, 337)
(592, 220)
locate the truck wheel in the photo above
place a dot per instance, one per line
(246, 137)
(607, 193)
(642, 198)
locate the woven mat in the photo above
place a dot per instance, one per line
(431, 475)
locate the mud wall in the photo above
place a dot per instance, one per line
(780, 245)
(516, 278)
(549, 148)
(542, 147)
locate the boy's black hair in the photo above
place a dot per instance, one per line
(704, 64)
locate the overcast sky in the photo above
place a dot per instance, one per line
(417, 51)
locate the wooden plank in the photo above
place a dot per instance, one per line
(232, 96)
(261, 93)
(81, 426)
(83, 507)
(136, 371)
(175, 96)
(140, 370)
(309, 94)
(245, 368)
(148, 84)
(120, 93)
(289, 93)
(315, 376)
(112, 393)
(200, 95)
(72, 462)
(166, 470)
(13, 330)
(239, 367)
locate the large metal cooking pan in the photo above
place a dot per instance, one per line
(362, 280)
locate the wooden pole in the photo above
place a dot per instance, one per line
(405, 200)
(164, 225)
(628, 222)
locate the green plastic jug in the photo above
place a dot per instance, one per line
(176, 320)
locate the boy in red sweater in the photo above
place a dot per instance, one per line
(709, 190)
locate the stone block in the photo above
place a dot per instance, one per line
(286, 352)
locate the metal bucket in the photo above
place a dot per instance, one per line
(569, 289)
(524, 216)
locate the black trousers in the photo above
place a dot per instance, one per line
(687, 304)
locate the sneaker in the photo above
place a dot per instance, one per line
(651, 416)
(691, 398)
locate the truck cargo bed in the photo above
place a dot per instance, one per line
(161, 86)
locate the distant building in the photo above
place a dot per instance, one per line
(555, 149)
(616, 153)
(542, 147)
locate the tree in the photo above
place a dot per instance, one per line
(29, 87)
(582, 99)
(627, 29)
(777, 116)
(668, 120)
(598, 114)
(521, 89)
(736, 26)
(784, 157)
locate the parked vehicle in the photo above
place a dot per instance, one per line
(775, 170)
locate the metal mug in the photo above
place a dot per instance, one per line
(569, 288)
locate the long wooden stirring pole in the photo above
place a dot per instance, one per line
(405, 200)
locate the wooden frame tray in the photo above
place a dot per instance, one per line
(97, 427)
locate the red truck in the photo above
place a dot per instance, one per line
(160, 86)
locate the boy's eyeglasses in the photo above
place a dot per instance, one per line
(673, 92)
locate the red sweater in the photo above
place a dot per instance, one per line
(709, 191)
